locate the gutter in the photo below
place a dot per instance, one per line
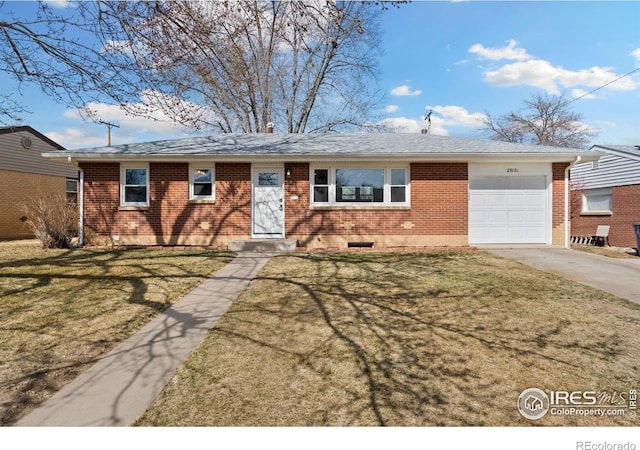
(567, 243)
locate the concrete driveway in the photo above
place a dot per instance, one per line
(620, 277)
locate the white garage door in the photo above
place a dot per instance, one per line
(507, 210)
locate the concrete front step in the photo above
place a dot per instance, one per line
(263, 245)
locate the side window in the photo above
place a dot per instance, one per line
(320, 186)
(398, 185)
(72, 192)
(600, 200)
(201, 182)
(134, 185)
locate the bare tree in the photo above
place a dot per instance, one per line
(236, 66)
(544, 120)
(57, 52)
(232, 66)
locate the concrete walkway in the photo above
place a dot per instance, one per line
(620, 277)
(123, 384)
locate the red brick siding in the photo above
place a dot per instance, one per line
(101, 197)
(558, 193)
(170, 214)
(626, 212)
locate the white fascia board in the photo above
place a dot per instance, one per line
(407, 157)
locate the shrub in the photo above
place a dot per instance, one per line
(52, 219)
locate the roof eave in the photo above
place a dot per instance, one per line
(612, 151)
(409, 157)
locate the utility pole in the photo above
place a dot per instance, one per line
(109, 126)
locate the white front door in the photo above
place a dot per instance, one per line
(268, 202)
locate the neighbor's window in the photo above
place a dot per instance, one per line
(201, 182)
(134, 185)
(359, 185)
(597, 200)
(72, 191)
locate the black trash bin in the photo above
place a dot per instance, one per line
(636, 227)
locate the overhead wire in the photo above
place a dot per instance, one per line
(605, 85)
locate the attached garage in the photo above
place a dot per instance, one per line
(509, 209)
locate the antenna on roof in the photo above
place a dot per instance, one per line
(109, 126)
(428, 119)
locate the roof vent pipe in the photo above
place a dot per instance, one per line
(270, 127)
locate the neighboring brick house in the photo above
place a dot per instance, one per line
(326, 190)
(607, 192)
(25, 173)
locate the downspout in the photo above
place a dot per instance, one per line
(81, 210)
(80, 202)
(567, 244)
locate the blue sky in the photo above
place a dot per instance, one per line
(459, 59)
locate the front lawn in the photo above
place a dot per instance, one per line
(403, 339)
(62, 309)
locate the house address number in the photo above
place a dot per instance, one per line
(512, 170)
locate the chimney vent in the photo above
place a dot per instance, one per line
(270, 127)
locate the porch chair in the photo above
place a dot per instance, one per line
(601, 238)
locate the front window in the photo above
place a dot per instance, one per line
(359, 185)
(597, 200)
(201, 183)
(134, 185)
(352, 185)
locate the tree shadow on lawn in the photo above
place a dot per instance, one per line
(60, 312)
(436, 339)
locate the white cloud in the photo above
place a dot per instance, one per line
(59, 3)
(580, 93)
(544, 75)
(636, 55)
(391, 108)
(123, 47)
(509, 52)
(402, 125)
(442, 118)
(131, 128)
(78, 137)
(457, 116)
(404, 90)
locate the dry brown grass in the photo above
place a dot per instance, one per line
(61, 309)
(611, 252)
(412, 339)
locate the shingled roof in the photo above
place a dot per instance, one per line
(319, 146)
(629, 151)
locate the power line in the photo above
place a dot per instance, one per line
(605, 85)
